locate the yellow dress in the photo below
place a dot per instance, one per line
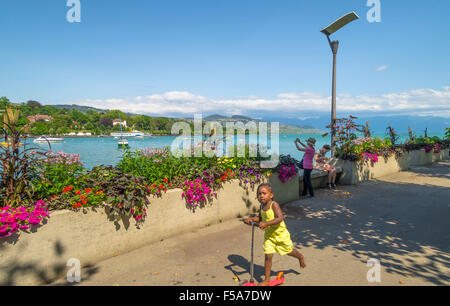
(276, 237)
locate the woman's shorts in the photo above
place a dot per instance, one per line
(328, 167)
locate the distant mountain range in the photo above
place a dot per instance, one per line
(78, 108)
(284, 128)
(378, 124)
(316, 123)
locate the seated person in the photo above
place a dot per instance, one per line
(322, 165)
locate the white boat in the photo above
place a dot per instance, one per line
(44, 139)
(122, 142)
(128, 134)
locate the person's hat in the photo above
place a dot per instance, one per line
(311, 141)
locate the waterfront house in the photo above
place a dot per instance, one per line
(36, 118)
(118, 121)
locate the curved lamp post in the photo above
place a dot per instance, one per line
(341, 22)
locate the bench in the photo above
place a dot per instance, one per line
(319, 178)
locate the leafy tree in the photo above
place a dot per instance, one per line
(39, 128)
(32, 103)
(106, 122)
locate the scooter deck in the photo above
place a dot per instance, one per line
(274, 282)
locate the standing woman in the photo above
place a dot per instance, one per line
(307, 164)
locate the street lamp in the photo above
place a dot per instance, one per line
(341, 22)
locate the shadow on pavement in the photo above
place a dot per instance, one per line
(241, 266)
(16, 272)
(403, 224)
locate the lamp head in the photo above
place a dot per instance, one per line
(341, 22)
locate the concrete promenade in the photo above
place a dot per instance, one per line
(401, 219)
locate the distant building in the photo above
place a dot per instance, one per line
(118, 121)
(35, 118)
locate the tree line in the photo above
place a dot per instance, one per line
(65, 120)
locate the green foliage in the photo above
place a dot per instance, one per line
(426, 140)
(126, 194)
(447, 133)
(17, 162)
(56, 172)
(392, 135)
(74, 119)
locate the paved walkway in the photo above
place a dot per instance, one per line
(402, 220)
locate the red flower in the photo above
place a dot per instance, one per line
(67, 188)
(161, 186)
(166, 180)
(84, 202)
(78, 192)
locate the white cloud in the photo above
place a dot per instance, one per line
(413, 102)
(382, 68)
(308, 117)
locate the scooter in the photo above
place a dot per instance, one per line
(274, 282)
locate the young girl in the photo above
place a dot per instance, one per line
(307, 164)
(321, 160)
(276, 237)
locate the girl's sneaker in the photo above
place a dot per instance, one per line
(330, 186)
(333, 185)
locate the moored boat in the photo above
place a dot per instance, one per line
(43, 139)
(123, 142)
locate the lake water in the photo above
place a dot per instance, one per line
(97, 151)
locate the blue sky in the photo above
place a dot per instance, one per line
(251, 57)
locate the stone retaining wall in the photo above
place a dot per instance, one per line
(354, 173)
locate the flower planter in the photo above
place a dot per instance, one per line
(420, 157)
(284, 192)
(355, 172)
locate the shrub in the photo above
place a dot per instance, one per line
(21, 218)
(447, 133)
(125, 194)
(287, 168)
(57, 171)
(197, 191)
(287, 172)
(18, 162)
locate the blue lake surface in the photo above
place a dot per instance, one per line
(96, 151)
